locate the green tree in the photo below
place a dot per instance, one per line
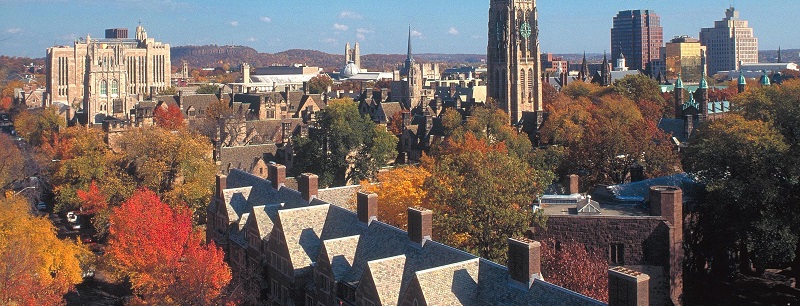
(740, 162)
(206, 89)
(319, 84)
(39, 127)
(168, 91)
(344, 147)
(645, 92)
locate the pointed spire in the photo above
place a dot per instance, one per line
(409, 56)
(703, 82)
(742, 81)
(584, 73)
(679, 82)
(780, 60)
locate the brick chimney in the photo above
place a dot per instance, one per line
(667, 202)
(572, 184)
(308, 185)
(367, 207)
(222, 183)
(628, 288)
(420, 224)
(524, 260)
(276, 174)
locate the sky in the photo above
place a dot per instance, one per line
(29, 27)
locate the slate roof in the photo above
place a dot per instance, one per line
(674, 127)
(340, 196)
(244, 157)
(391, 108)
(639, 192)
(386, 275)
(237, 235)
(341, 253)
(264, 217)
(305, 228)
(454, 284)
(266, 195)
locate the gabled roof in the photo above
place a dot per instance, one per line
(305, 228)
(387, 275)
(264, 218)
(340, 253)
(454, 284)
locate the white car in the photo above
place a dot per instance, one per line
(72, 218)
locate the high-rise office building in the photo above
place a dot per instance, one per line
(730, 42)
(637, 34)
(683, 55)
(514, 67)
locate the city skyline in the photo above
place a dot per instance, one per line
(439, 27)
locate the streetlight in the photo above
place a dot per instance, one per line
(23, 189)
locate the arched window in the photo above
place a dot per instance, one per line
(103, 88)
(114, 88)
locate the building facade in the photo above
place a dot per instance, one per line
(106, 77)
(638, 35)
(730, 43)
(682, 56)
(513, 58)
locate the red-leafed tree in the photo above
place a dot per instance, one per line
(92, 200)
(571, 266)
(170, 118)
(156, 248)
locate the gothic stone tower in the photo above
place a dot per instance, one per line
(514, 76)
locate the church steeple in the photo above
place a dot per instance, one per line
(780, 60)
(583, 75)
(409, 56)
(605, 74)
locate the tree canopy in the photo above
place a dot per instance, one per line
(344, 146)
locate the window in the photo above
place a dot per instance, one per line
(309, 300)
(274, 289)
(616, 254)
(103, 88)
(118, 106)
(114, 88)
(323, 283)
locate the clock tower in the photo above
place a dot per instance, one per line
(513, 58)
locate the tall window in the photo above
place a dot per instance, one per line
(103, 88)
(114, 88)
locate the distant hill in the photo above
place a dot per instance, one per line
(217, 56)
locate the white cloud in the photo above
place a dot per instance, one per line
(14, 30)
(350, 15)
(234, 23)
(452, 31)
(251, 39)
(330, 40)
(363, 31)
(265, 19)
(361, 36)
(416, 33)
(340, 27)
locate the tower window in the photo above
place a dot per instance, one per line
(103, 88)
(114, 88)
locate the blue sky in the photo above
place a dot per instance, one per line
(28, 27)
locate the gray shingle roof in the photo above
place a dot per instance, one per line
(340, 253)
(387, 275)
(340, 196)
(305, 228)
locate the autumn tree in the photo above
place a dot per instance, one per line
(206, 89)
(39, 127)
(169, 118)
(36, 268)
(168, 91)
(395, 123)
(155, 247)
(11, 161)
(397, 190)
(483, 195)
(319, 84)
(344, 147)
(572, 266)
(176, 165)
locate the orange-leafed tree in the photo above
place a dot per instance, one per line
(155, 247)
(170, 118)
(92, 200)
(570, 265)
(36, 268)
(397, 190)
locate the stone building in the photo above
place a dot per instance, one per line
(291, 243)
(106, 77)
(513, 58)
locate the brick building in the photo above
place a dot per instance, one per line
(303, 247)
(643, 239)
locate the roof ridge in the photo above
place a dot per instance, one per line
(463, 262)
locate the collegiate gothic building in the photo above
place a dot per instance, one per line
(514, 72)
(102, 78)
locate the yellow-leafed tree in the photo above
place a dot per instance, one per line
(36, 268)
(397, 190)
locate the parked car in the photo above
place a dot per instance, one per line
(41, 206)
(73, 220)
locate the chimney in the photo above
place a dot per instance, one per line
(667, 201)
(571, 183)
(524, 260)
(308, 185)
(628, 288)
(277, 175)
(420, 224)
(367, 207)
(222, 182)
